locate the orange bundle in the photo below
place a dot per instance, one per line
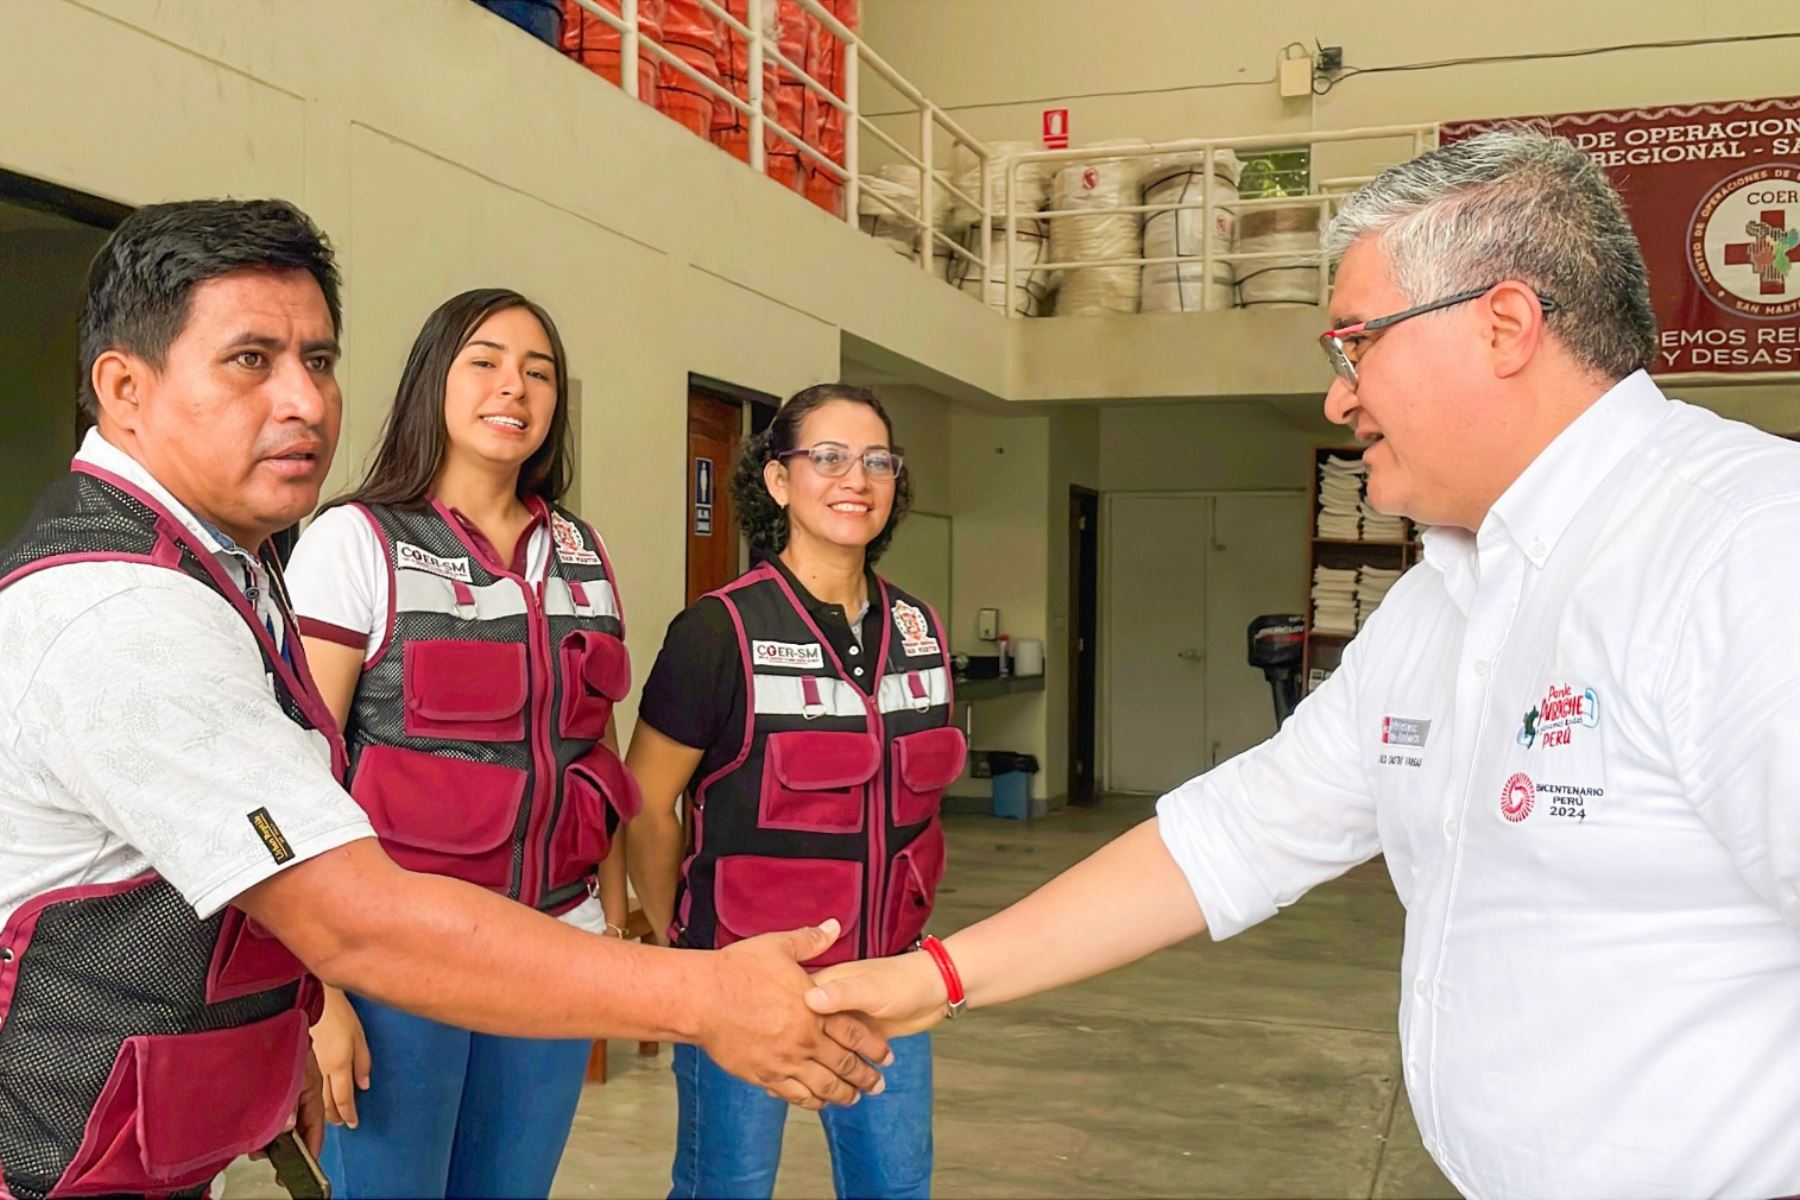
(595, 44)
(691, 34)
(824, 122)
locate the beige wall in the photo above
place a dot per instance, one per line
(43, 269)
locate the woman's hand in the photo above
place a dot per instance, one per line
(343, 1055)
(900, 995)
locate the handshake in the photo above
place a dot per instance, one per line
(817, 1039)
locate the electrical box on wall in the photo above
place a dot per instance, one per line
(987, 624)
(1296, 76)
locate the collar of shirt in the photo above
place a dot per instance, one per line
(540, 515)
(830, 617)
(96, 451)
(1538, 506)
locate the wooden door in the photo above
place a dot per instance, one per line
(715, 432)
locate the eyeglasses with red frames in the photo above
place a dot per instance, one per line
(833, 459)
(1344, 346)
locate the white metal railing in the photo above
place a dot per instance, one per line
(936, 128)
(1419, 138)
(633, 45)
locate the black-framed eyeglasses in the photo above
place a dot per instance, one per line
(1344, 346)
(833, 460)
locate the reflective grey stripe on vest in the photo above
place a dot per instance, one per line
(785, 695)
(421, 591)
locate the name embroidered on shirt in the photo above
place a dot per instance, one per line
(571, 547)
(787, 654)
(271, 836)
(411, 556)
(915, 634)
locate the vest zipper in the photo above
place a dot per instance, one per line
(542, 753)
(873, 934)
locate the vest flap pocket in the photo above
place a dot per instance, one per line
(178, 1108)
(448, 816)
(924, 765)
(603, 771)
(808, 761)
(754, 894)
(931, 761)
(247, 959)
(599, 795)
(596, 671)
(912, 888)
(465, 690)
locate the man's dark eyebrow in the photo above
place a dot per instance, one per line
(321, 346)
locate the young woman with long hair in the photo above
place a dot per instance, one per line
(805, 708)
(464, 628)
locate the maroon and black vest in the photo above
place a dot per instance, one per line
(474, 733)
(830, 808)
(142, 1048)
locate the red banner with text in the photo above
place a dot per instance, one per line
(1713, 191)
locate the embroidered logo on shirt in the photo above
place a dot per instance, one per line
(1405, 731)
(915, 634)
(1517, 798)
(787, 654)
(419, 560)
(1553, 720)
(571, 547)
(271, 836)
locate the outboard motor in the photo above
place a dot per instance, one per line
(1277, 645)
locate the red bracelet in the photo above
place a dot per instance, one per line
(953, 988)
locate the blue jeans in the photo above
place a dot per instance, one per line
(454, 1113)
(729, 1140)
(542, 19)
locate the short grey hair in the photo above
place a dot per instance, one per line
(1513, 204)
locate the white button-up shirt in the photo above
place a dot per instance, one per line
(139, 728)
(1575, 736)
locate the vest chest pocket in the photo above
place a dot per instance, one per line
(924, 765)
(817, 782)
(178, 1108)
(465, 691)
(596, 672)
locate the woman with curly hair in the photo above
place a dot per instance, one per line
(805, 710)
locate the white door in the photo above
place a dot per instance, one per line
(1256, 564)
(1155, 642)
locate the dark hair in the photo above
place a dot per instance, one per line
(141, 282)
(764, 522)
(414, 438)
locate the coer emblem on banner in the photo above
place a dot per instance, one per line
(1744, 243)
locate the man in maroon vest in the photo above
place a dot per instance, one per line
(176, 852)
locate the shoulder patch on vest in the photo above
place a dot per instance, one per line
(271, 836)
(806, 655)
(571, 547)
(915, 634)
(409, 555)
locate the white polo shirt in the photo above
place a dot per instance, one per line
(1575, 736)
(139, 729)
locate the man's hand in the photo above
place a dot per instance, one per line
(759, 1030)
(900, 995)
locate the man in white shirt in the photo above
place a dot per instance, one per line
(174, 846)
(1573, 730)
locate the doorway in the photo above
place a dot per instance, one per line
(1185, 574)
(48, 236)
(715, 434)
(1084, 648)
